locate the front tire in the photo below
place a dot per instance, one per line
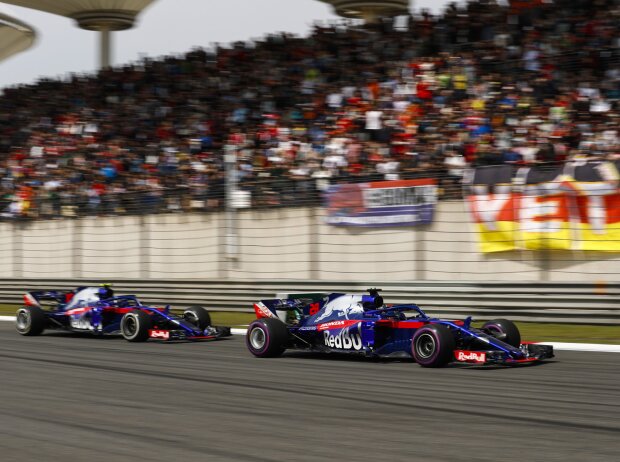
(433, 345)
(504, 330)
(198, 316)
(30, 320)
(267, 337)
(135, 326)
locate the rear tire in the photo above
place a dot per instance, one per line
(504, 330)
(433, 345)
(135, 326)
(267, 337)
(30, 320)
(198, 316)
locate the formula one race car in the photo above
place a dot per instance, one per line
(96, 310)
(353, 323)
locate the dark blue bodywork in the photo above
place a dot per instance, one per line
(101, 317)
(362, 324)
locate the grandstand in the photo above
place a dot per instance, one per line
(484, 85)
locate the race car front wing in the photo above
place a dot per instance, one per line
(210, 333)
(530, 352)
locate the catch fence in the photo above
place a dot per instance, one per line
(283, 243)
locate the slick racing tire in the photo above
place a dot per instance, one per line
(267, 337)
(30, 320)
(504, 330)
(135, 326)
(433, 345)
(198, 316)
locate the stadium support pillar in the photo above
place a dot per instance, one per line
(105, 42)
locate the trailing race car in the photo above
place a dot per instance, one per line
(363, 324)
(96, 310)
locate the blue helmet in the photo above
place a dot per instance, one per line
(105, 291)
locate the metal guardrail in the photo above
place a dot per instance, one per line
(539, 302)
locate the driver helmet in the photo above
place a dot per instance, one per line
(105, 291)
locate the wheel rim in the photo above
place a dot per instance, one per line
(257, 338)
(22, 320)
(496, 332)
(191, 318)
(425, 346)
(131, 325)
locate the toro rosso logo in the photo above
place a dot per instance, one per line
(161, 334)
(344, 340)
(470, 356)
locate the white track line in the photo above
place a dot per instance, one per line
(584, 347)
(556, 345)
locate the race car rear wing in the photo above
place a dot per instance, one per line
(280, 308)
(306, 304)
(35, 298)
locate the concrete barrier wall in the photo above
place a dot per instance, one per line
(279, 244)
(182, 246)
(273, 244)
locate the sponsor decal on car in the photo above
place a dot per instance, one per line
(308, 328)
(330, 325)
(160, 334)
(262, 311)
(470, 356)
(29, 300)
(77, 311)
(344, 340)
(336, 324)
(82, 323)
(344, 306)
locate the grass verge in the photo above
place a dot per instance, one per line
(530, 331)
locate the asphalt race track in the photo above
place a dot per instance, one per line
(77, 398)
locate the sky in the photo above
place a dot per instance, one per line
(167, 27)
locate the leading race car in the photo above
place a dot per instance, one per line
(363, 324)
(96, 310)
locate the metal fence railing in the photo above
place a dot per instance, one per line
(540, 302)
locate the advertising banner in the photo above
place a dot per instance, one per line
(569, 207)
(382, 203)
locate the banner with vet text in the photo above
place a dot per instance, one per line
(568, 207)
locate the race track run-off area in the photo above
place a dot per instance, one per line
(68, 397)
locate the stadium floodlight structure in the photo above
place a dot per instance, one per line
(15, 35)
(369, 10)
(103, 16)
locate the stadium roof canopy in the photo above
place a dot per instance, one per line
(103, 16)
(15, 35)
(369, 10)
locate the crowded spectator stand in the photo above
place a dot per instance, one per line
(529, 83)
